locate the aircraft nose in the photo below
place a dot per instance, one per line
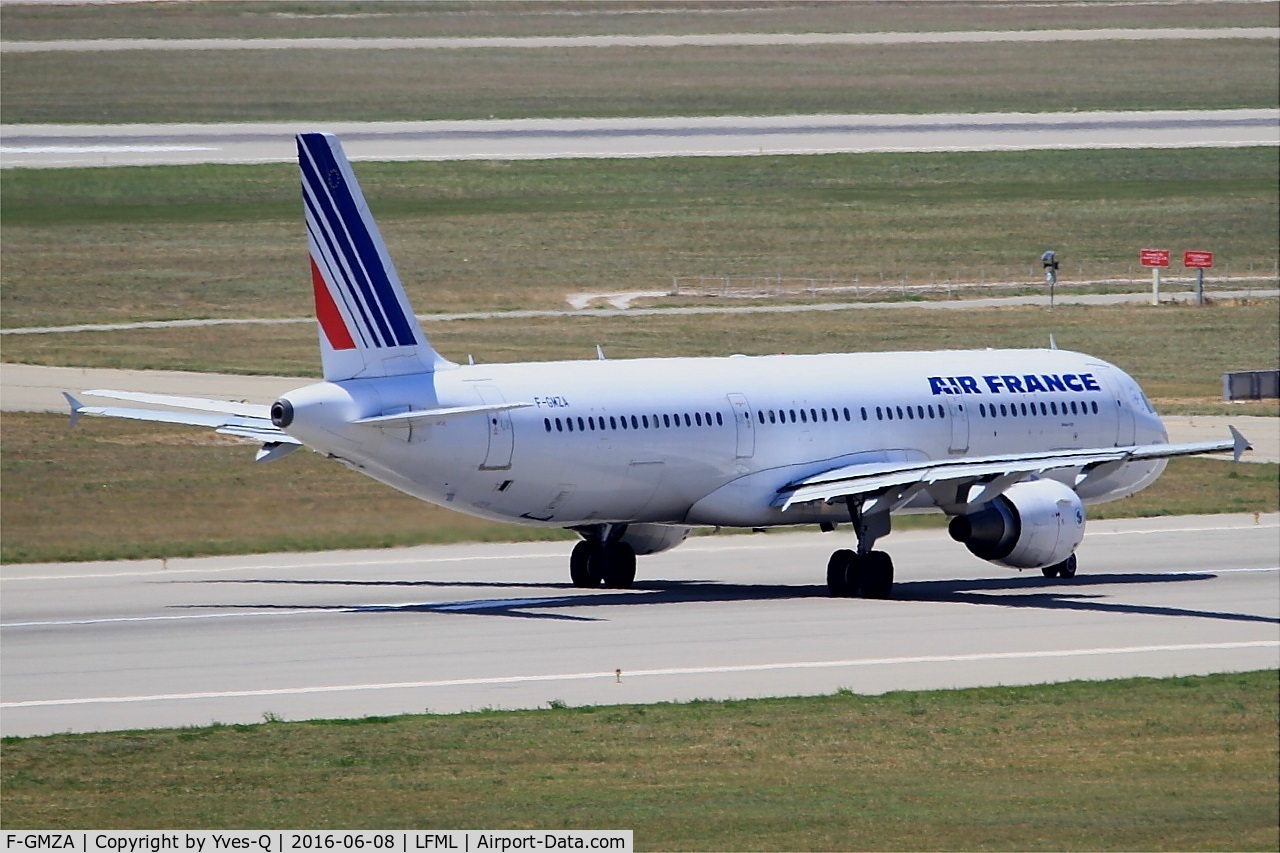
(282, 413)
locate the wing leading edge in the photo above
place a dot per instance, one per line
(896, 482)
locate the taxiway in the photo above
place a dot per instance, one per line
(111, 646)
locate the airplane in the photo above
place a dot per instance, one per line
(632, 454)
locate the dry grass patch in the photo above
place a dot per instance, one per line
(414, 85)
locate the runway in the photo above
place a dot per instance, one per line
(111, 646)
(61, 146)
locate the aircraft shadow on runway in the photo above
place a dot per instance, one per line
(1011, 592)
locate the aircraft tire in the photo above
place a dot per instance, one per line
(580, 565)
(877, 575)
(838, 570)
(1067, 568)
(1050, 571)
(618, 568)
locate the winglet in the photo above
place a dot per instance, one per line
(75, 409)
(1241, 443)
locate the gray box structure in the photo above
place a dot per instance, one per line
(1251, 385)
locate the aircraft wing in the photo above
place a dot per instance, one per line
(246, 420)
(895, 482)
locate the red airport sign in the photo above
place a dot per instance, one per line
(1154, 257)
(1197, 260)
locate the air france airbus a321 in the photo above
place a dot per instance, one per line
(631, 454)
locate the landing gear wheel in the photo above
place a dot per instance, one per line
(580, 565)
(838, 573)
(618, 569)
(877, 575)
(1067, 568)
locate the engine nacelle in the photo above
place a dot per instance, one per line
(652, 538)
(1032, 525)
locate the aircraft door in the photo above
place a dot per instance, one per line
(1125, 429)
(959, 424)
(744, 425)
(501, 435)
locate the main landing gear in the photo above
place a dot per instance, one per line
(602, 560)
(863, 573)
(1065, 569)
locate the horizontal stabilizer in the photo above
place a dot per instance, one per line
(243, 420)
(199, 404)
(403, 419)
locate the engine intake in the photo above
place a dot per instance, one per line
(1032, 525)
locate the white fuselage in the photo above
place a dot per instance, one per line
(709, 441)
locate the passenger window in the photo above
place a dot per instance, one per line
(911, 416)
(982, 409)
(1053, 406)
(1094, 404)
(824, 416)
(899, 413)
(666, 420)
(559, 426)
(547, 421)
(697, 417)
(813, 415)
(864, 413)
(888, 410)
(719, 419)
(879, 416)
(771, 417)
(1003, 413)
(803, 419)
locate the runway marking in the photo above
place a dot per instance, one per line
(644, 673)
(701, 546)
(661, 41)
(101, 149)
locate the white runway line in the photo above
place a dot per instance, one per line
(704, 40)
(647, 673)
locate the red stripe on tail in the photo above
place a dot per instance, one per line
(335, 328)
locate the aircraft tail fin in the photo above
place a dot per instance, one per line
(367, 328)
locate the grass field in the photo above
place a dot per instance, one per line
(1179, 764)
(406, 85)
(318, 85)
(425, 19)
(109, 245)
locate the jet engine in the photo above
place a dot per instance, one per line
(1032, 525)
(652, 538)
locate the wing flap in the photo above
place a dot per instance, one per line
(993, 473)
